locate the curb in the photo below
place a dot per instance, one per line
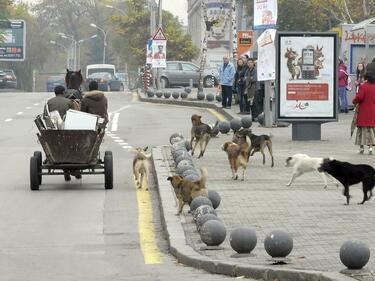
(185, 254)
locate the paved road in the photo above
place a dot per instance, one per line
(77, 230)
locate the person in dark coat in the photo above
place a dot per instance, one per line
(95, 102)
(365, 100)
(59, 103)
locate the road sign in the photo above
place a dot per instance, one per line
(159, 35)
(12, 40)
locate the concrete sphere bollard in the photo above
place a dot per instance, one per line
(192, 177)
(201, 96)
(219, 98)
(184, 157)
(213, 233)
(203, 219)
(210, 97)
(181, 166)
(235, 124)
(187, 145)
(215, 131)
(175, 138)
(224, 127)
(175, 95)
(199, 201)
(243, 240)
(215, 198)
(278, 244)
(184, 95)
(189, 171)
(150, 92)
(187, 90)
(203, 210)
(246, 122)
(178, 153)
(159, 94)
(167, 95)
(354, 254)
(261, 119)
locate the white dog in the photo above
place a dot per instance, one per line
(303, 163)
(141, 163)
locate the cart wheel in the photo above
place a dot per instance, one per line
(108, 171)
(38, 155)
(108, 152)
(34, 173)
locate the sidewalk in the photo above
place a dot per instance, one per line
(316, 218)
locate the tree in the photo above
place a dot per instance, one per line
(4, 8)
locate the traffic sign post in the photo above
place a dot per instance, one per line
(12, 40)
(159, 52)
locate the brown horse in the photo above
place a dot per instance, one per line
(73, 81)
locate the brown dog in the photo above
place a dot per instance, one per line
(187, 190)
(201, 133)
(238, 155)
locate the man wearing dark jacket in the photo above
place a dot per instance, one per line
(95, 102)
(59, 103)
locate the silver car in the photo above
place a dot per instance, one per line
(179, 73)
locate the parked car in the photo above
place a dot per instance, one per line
(106, 81)
(55, 80)
(2, 79)
(10, 79)
(179, 73)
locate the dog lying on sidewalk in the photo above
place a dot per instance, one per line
(201, 133)
(258, 143)
(141, 164)
(187, 190)
(303, 163)
(238, 154)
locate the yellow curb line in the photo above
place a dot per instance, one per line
(218, 115)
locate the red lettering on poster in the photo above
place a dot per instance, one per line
(307, 91)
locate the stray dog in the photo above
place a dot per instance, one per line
(349, 174)
(187, 190)
(302, 163)
(258, 143)
(141, 165)
(238, 155)
(201, 133)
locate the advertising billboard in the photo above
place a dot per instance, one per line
(306, 76)
(265, 14)
(12, 40)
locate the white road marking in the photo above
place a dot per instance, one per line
(115, 122)
(121, 109)
(19, 113)
(119, 141)
(109, 117)
(28, 107)
(123, 143)
(115, 138)
(36, 104)
(8, 120)
(127, 146)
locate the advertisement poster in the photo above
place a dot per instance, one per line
(266, 55)
(265, 14)
(12, 40)
(149, 52)
(306, 76)
(159, 53)
(244, 42)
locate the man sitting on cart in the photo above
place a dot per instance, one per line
(95, 102)
(59, 103)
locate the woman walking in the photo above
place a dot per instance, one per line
(365, 101)
(239, 84)
(343, 82)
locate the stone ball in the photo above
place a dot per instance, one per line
(219, 98)
(167, 95)
(210, 97)
(183, 157)
(187, 90)
(176, 137)
(159, 94)
(243, 240)
(199, 201)
(235, 124)
(261, 119)
(201, 96)
(150, 93)
(184, 165)
(184, 95)
(278, 244)
(215, 198)
(203, 210)
(246, 122)
(215, 131)
(178, 153)
(202, 219)
(175, 95)
(187, 145)
(189, 171)
(224, 127)
(192, 177)
(354, 254)
(213, 233)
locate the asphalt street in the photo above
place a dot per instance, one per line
(77, 230)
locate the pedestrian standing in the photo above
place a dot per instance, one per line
(251, 87)
(226, 79)
(360, 75)
(239, 84)
(365, 101)
(343, 82)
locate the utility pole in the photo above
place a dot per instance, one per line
(234, 31)
(208, 25)
(152, 6)
(160, 25)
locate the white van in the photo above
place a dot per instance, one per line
(105, 75)
(94, 68)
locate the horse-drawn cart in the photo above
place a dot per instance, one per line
(70, 152)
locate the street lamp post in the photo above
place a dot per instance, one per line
(105, 39)
(79, 48)
(115, 8)
(74, 47)
(66, 50)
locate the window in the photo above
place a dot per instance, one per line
(173, 66)
(189, 67)
(357, 53)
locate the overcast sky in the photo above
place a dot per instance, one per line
(176, 7)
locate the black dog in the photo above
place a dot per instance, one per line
(258, 143)
(349, 174)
